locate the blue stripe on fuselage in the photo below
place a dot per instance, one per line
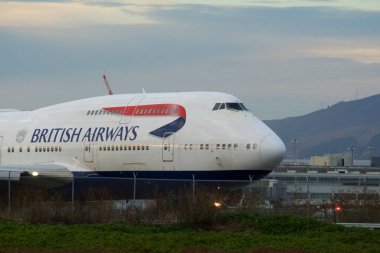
(170, 128)
(227, 175)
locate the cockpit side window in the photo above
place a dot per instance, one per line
(216, 107)
(243, 106)
(222, 106)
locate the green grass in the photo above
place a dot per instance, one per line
(231, 232)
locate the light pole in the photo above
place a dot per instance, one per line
(352, 154)
(370, 148)
(294, 150)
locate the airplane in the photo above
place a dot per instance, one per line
(209, 136)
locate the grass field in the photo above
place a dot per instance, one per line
(229, 233)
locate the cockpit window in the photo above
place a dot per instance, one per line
(230, 106)
(243, 106)
(234, 106)
(216, 107)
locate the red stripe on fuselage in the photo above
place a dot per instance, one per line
(149, 110)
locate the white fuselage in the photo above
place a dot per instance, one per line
(157, 135)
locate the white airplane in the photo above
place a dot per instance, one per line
(181, 136)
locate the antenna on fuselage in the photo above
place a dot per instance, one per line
(107, 84)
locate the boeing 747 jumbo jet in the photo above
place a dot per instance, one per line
(184, 136)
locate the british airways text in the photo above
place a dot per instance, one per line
(51, 135)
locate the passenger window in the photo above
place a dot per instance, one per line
(129, 147)
(201, 147)
(217, 146)
(28, 149)
(229, 146)
(100, 148)
(134, 147)
(236, 146)
(60, 149)
(9, 149)
(185, 146)
(40, 149)
(206, 146)
(142, 147)
(20, 149)
(88, 113)
(138, 147)
(36, 149)
(48, 149)
(223, 146)
(147, 147)
(117, 148)
(254, 146)
(248, 146)
(112, 148)
(191, 146)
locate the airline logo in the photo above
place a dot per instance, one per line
(155, 110)
(121, 133)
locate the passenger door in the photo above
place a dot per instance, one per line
(89, 152)
(168, 150)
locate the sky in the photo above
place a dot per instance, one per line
(281, 58)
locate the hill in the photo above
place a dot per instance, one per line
(334, 129)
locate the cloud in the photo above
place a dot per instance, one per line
(361, 54)
(56, 14)
(279, 61)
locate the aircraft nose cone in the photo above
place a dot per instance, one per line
(272, 151)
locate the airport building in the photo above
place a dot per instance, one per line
(316, 184)
(375, 161)
(331, 160)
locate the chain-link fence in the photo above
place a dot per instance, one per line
(334, 198)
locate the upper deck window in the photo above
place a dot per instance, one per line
(230, 106)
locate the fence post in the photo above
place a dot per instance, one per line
(134, 185)
(250, 186)
(73, 193)
(9, 191)
(308, 196)
(193, 189)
